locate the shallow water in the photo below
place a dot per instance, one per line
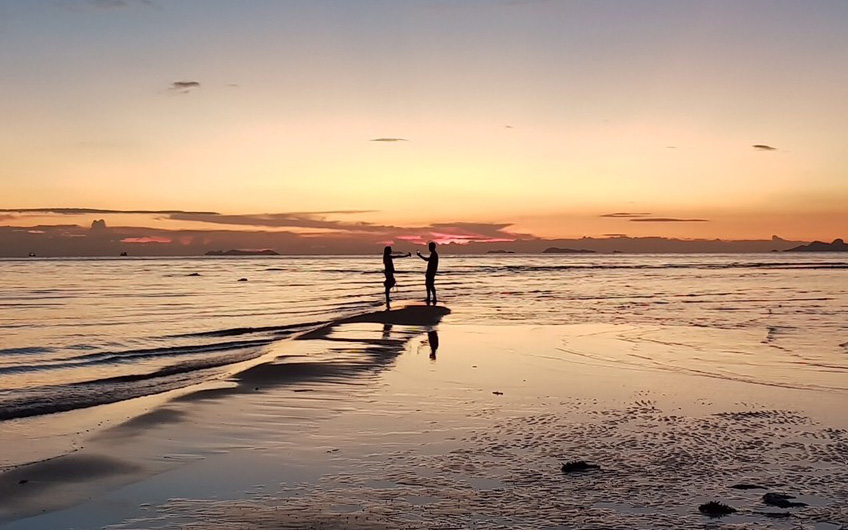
(83, 332)
(475, 438)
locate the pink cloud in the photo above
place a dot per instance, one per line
(463, 239)
(145, 239)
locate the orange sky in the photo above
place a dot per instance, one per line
(542, 115)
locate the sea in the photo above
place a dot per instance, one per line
(83, 332)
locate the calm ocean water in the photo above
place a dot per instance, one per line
(81, 332)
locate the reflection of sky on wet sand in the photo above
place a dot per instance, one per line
(477, 437)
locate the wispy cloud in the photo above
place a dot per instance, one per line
(117, 4)
(667, 220)
(763, 147)
(147, 239)
(625, 214)
(101, 5)
(456, 232)
(283, 220)
(183, 87)
(477, 230)
(389, 140)
(87, 211)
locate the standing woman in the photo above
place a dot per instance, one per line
(389, 270)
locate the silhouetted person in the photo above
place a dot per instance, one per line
(432, 268)
(389, 270)
(433, 339)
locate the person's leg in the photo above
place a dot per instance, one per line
(388, 285)
(428, 284)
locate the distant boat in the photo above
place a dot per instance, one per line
(31, 255)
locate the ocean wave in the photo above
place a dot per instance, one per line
(26, 350)
(54, 398)
(100, 358)
(50, 399)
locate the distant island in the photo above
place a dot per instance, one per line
(237, 252)
(500, 252)
(819, 246)
(555, 250)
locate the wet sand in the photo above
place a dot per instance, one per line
(362, 425)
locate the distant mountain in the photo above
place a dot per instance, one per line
(818, 246)
(67, 240)
(236, 252)
(555, 250)
(500, 252)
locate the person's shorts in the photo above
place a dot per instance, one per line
(430, 281)
(389, 283)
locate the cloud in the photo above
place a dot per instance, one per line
(455, 232)
(667, 220)
(476, 230)
(625, 214)
(86, 211)
(6, 217)
(184, 87)
(284, 220)
(389, 140)
(147, 239)
(101, 5)
(763, 147)
(333, 212)
(109, 4)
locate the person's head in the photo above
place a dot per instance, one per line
(387, 251)
(432, 246)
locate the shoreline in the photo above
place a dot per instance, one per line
(92, 429)
(483, 426)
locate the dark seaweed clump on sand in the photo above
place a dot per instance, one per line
(716, 509)
(577, 466)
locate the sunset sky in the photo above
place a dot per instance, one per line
(696, 119)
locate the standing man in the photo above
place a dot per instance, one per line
(432, 268)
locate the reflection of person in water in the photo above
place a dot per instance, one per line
(433, 339)
(432, 267)
(389, 270)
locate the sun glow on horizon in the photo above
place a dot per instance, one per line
(542, 116)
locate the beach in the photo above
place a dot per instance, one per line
(461, 415)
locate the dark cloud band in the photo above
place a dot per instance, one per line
(667, 220)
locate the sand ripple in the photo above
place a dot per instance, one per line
(657, 467)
